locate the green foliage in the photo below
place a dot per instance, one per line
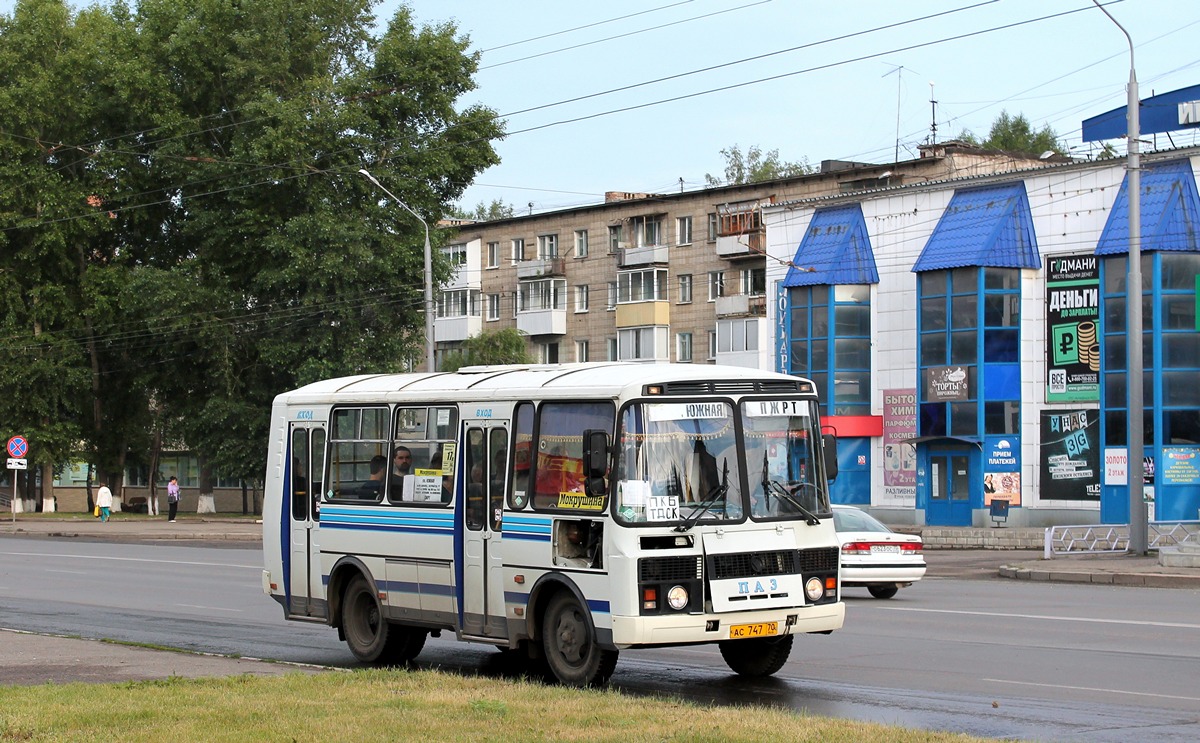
(188, 225)
(755, 166)
(1016, 134)
(486, 212)
(507, 346)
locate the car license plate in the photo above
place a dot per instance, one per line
(885, 549)
(759, 629)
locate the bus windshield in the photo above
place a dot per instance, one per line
(678, 462)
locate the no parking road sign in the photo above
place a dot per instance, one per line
(18, 447)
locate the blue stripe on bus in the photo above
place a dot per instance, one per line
(527, 537)
(522, 599)
(411, 587)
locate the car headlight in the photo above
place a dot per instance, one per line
(677, 597)
(814, 589)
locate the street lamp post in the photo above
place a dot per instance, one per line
(1138, 536)
(429, 361)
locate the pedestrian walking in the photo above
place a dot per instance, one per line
(172, 498)
(104, 502)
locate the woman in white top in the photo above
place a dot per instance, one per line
(104, 502)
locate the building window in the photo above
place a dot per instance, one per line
(712, 227)
(616, 237)
(712, 345)
(716, 285)
(547, 247)
(544, 294)
(754, 281)
(581, 243)
(737, 336)
(493, 307)
(515, 303)
(683, 230)
(739, 219)
(647, 230)
(612, 296)
(548, 353)
(581, 350)
(612, 349)
(830, 343)
(951, 333)
(458, 303)
(649, 285)
(518, 250)
(643, 344)
(581, 298)
(493, 250)
(683, 347)
(685, 288)
(456, 254)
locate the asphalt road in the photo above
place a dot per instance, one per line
(961, 651)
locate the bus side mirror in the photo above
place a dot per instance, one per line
(829, 445)
(595, 460)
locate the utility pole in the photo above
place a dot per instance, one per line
(430, 364)
(1138, 530)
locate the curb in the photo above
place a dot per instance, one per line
(1146, 580)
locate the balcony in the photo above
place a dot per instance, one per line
(455, 329)
(744, 245)
(638, 314)
(541, 267)
(542, 322)
(642, 255)
(742, 305)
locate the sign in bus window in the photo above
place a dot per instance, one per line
(559, 476)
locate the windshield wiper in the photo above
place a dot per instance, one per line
(783, 492)
(717, 493)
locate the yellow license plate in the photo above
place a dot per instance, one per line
(761, 629)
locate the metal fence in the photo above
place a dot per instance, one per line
(1106, 538)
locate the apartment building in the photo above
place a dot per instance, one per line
(655, 277)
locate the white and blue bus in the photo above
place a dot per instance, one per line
(564, 511)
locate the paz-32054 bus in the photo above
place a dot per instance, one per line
(567, 511)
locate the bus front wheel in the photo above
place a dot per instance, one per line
(760, 656)
(569, 644)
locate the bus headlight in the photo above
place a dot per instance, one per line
(814, 589)
(677, 598)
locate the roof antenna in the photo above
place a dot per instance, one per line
(932, 115)
(899, 72)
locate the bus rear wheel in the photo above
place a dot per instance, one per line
(760, 656)
(367, 632)
(569, 645)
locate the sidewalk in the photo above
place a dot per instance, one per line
(137, 527)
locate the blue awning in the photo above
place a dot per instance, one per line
(1170, 212)
(989, 226)
(835, 250)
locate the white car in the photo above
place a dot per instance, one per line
(874, 556)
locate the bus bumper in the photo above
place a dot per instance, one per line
(682, 629)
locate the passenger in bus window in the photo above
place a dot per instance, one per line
(401, 461)
(374, 486)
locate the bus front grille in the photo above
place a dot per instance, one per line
(684, 567)
(753, 564)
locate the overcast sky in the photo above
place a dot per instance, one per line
(664, 85)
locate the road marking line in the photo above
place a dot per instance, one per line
(1094, 688)
(68, 572)
(1091, 620)
(208, 608)
(134, 559)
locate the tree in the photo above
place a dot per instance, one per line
(190, 225)
(486, 212)
(1016, 134)
(754, 167)
(507, 346)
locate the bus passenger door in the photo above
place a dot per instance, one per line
(485, 467)
(305, 481)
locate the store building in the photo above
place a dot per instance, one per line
(969, 339)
